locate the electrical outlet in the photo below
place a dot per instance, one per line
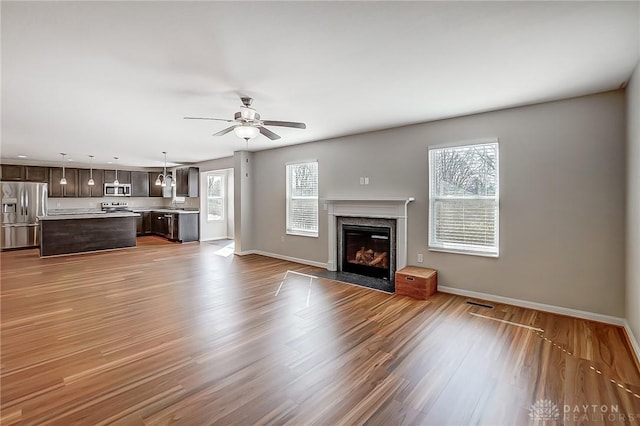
(420, 258)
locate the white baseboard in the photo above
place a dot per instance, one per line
(538, 306)
(282, 257)
(634, 342)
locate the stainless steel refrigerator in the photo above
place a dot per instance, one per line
(22, 202)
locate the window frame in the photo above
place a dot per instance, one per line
(466, 249)
(221, 196)
(289, 230)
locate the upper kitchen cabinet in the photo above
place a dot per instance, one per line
(124, 176)
(187, 181)
(24, 173)
(69, 190)
(36, 174)
(139, 184)
(12, 172)
(154, 190)
(95, 190)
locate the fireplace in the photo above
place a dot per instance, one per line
(367, 246)
(366, 250)
(378, 217)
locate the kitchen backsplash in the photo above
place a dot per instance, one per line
(94, 203)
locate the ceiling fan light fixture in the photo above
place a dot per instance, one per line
(246, 131)
(247, 113)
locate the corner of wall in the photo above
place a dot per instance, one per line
(632, 295)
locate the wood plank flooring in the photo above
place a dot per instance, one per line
(187, 334)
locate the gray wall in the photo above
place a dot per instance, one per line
(633, 204)
(562, 208)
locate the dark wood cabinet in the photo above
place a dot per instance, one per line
(146, 222)
(69, 190)
(12, 172)
(86, 190)
(140, 224)
(36, 174)
(139, 184)
(188, 227)
(154, 190)
(187, 179)
(143, 223)
(124, 176)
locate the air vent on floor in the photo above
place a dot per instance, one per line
(482, 305)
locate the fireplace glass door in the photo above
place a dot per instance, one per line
(367, 250)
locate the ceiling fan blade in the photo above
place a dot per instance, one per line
(268, 133)
(224, 131)
(284, 124)
(206, 118)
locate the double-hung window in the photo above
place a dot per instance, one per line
(215, 197)
(302, 199)
(464, 198)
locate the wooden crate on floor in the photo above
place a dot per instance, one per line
(419, 283)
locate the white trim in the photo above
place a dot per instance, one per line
(632, 338)
(313, 160)
(467, 252)
(283, 257)
(454, 144)
(386, 208)
(535, 305)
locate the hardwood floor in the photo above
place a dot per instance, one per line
(188, 334)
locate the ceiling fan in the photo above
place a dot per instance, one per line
(247, 123)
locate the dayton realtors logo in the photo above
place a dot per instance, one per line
(545, 409)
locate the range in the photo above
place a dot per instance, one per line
(115, 207)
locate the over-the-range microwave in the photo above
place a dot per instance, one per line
(121, 190)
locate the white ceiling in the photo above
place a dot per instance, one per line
(116, 78)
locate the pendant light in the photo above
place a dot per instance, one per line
(161, 180)
(91, 182)
(116, 182)
(63, 181)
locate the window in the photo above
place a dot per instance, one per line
(302, 199)
(215, 197)
(463, 199)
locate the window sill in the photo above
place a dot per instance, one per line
(302, 234)
(469, 253)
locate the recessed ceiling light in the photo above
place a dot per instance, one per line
(109, 162)
(22, 156)
(70, 159)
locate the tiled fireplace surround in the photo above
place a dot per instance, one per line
(391, 209)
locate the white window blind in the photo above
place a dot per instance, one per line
(464, 199)
(215, 197)
(302, 199)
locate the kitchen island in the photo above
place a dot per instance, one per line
(78, 233)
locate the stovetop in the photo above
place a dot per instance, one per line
(115, 206)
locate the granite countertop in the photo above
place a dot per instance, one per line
(96, 215)
(163, 210)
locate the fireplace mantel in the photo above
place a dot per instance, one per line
(384, 207)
